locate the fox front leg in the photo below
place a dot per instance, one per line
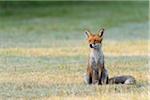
(95, 77)
(100, 77)
(104, 77)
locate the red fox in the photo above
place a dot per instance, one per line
(96, 70)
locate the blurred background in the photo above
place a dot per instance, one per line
(42, 24)
(44, 52)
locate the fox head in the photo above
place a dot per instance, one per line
(95, 40)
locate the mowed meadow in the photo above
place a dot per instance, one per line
(44, 52)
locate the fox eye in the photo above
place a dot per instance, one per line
(89, 40)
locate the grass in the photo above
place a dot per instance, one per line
(43, 51)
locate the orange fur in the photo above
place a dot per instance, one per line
(94, 38)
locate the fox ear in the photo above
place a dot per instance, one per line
(87, 33)
(101, 32)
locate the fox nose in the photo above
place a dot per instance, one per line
(91, 46)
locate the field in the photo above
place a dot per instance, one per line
(44, 52)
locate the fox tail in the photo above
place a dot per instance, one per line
(124, 79)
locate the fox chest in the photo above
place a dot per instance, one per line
(96, 61)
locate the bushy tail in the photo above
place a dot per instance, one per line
(124, 79)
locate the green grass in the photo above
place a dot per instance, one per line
(43, 50)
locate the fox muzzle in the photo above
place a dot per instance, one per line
(91, 46)
(95, 46)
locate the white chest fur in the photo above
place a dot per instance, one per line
(96, 57)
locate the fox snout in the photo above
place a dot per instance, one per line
(94, 45)
(91, 46)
